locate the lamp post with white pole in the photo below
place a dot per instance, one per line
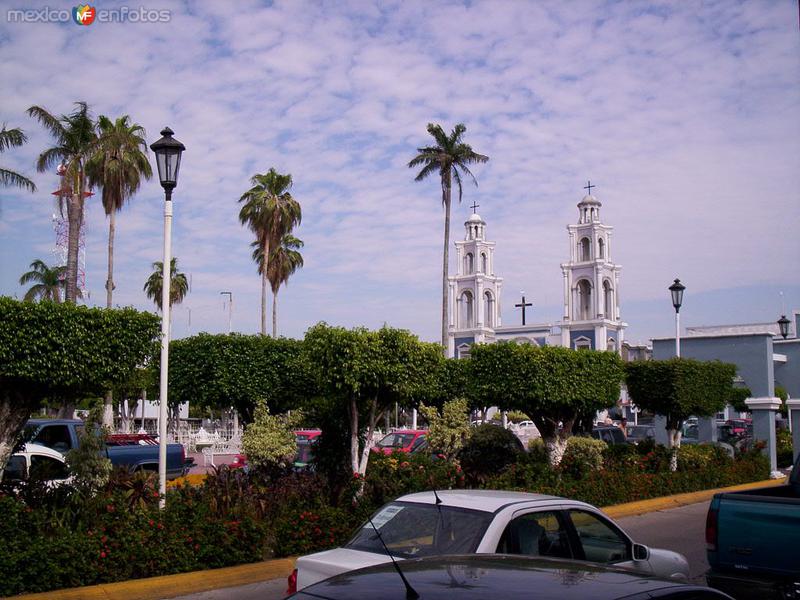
(230, 308)
(168, 158)
(676, 289)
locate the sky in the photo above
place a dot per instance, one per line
(685, 115)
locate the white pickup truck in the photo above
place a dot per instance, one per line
(488, 522)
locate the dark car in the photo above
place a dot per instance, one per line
(640, 433)
(499, 576)
(610, 434)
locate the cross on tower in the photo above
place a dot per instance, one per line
(474, 206)
(522, 305)
(589, 187)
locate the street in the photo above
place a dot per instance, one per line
(679, 529)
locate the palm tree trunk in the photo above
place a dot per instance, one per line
(264, 289)
(110, 281)
(446, 253)
(274, 314)
(73, 238)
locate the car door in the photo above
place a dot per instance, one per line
(597, 539)
(537, 533)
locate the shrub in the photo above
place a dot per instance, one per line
(447, 432)
(701, 457)
(269, 441)
(393, 475)
(490, 449)
(784, 448)
(583, 454)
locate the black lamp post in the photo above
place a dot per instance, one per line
(168, 159)
(783, 323)
(676, 289)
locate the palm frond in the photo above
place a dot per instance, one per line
(48, 121)
(12, 178)
(11, 138)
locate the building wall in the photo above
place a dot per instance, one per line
(587, 333)
(787, 375)
(752, 355)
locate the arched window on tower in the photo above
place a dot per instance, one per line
(585, 249)
(468, 263)
(466, 318)
(601, 248)
(488, 309)
(608, 306)
(584, 300)
(484, 263)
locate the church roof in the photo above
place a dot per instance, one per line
(475, 218)
(589, 199)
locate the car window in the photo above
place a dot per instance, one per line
(47, 468)
(599, 540)
(55, 437)
(418, 442)
(412, 530)
(536, 534)
(396, 440)
(15, 469)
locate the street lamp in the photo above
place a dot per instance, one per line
(676, 289)
(783, 323)
(168, 159)
(230, 308)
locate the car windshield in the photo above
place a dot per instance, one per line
(304, 454)
(396, 440)
(412, 530)
(639, 432)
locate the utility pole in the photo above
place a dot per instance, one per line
(230, 308)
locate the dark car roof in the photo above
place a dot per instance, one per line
(54, 422)
(494, 575)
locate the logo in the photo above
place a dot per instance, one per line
(84, 14)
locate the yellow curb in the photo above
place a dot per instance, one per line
(641, 507)
(170, 586)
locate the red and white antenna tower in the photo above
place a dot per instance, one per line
(61, 228)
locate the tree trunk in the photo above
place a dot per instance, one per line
(373, 419)
(15, 409)
(674, 437)
(274, 314)
(73, 239)
(112, 225)
(66, 410)
(354, 435)
(108, 410)
(446, 188)
(264, 289)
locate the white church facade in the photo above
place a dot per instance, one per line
(591, 315)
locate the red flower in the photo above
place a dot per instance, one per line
(103, 539)
(151, 522)
(102, 555)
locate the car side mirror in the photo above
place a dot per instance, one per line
(641, 552)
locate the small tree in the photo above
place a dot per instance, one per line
(269, 441)
(553, 385)
(447, 432)
(737, 398)
(50, 350)
(679, 388)
(88, 464)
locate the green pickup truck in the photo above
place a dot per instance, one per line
(753, 541)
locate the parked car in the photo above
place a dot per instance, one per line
(37, 461)
(488, 522)
(62, 436)
(610, 434)
(753, 541)
(740, 426)
(484, 576)
(402, 440)
(640, 433)
(305, 438)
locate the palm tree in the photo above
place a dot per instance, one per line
(75, 139)
(178, 284)
(13, 138)
(270, 212)
(285, 259)
(118, 165)
(48, 282)
(449, 158)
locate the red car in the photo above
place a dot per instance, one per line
(304, 437)
(402, 440)
(740, 426)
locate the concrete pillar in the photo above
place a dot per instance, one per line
(794, 419)
(763, 411)
(660, 423)
(707, 430)
(413, 418)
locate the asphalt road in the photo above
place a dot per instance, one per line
(679, 529)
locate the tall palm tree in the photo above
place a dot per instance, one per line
(75, 139)
(270, 212)
(449, 158)
(48, 282)
(178, 284)
(285, 259)
(13, 138)
(118, 165)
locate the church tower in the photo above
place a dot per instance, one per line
(591, 284)
(474, 294)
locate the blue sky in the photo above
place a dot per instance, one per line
(686, 115)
